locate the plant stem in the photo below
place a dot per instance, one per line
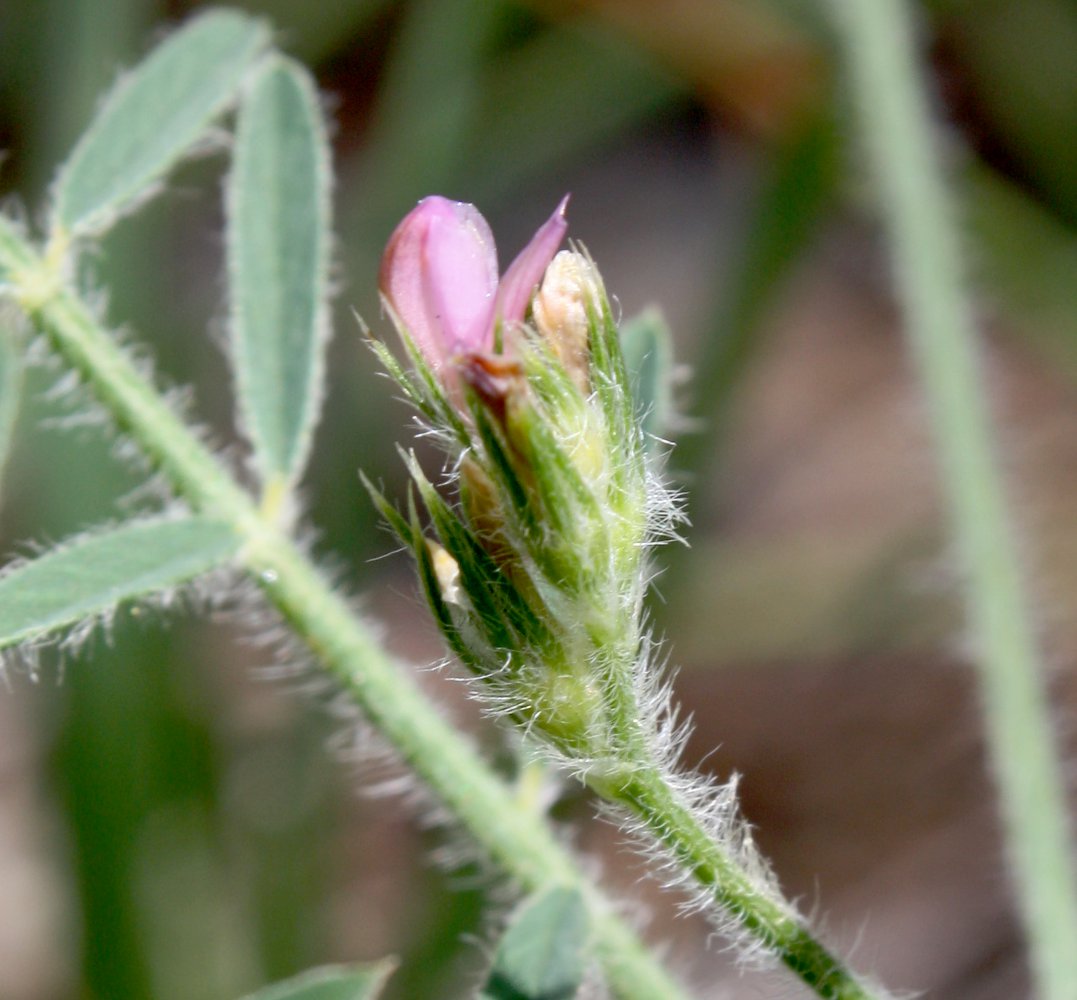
(768, 920)
(895, 121)
(443, 759)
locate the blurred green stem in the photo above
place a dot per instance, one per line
(894, 117)
(512, 836)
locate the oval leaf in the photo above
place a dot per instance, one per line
(331, 982)
(543, 955)
(278, 249)
(88, 576)
(153, 116)
(648, 351)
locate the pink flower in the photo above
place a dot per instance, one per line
(439, 275)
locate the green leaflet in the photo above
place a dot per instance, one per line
(331, 982)
(152, 117)
(278, 252)
(544, 953)
(648, 353)
(91, 574)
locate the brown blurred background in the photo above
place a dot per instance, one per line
(175, 825)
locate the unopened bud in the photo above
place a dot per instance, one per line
(561, 310)
(447, 572)
(483, 506)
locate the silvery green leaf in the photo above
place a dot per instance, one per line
(91, 574)
(544, 953)
(648, 353)
(331, 982)
(278, 250)
(153, 116)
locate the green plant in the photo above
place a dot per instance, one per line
(278, 264)
(533, 557)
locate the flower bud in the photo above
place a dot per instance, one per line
(447, 571)
(562, 312)
(485, 513)
(439, 277)
(542, 558)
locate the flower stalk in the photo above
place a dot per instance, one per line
(537, 572)
(763, 918)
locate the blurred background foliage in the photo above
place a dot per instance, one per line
(173, 826)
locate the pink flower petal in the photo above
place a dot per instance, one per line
(439, 276)
(526, 271)
(402, 280)
(460, 264)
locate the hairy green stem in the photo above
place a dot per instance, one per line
(513, 837)
(896, 124)
(766, 919)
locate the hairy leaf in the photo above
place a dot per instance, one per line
(91, 574)
(278, 243)
(648, 351)
(153, 116)
(543, 954)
